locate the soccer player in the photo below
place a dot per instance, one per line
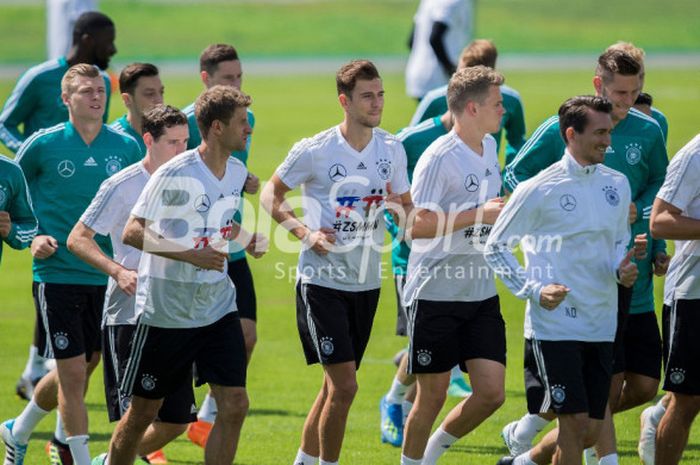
(348, 175)
(676, 215)
(481, 52)
(165, 135)
(638, 54)
(574, 206)
(397, 402)
(64, 166)
(18, 224)
(454, 311)
(219, 64)
(441, 28)
(185, 302)
(35, 103)
(637, 150)
(141, 89)
(61, 16)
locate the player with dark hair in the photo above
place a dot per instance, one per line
(348, 174)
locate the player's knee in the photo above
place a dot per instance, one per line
(250, 340)
(431, 401)
(686, 407)
(343, 392)
(233, 406)
(493, 399)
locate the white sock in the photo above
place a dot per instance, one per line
(397, 392)
(657, 413)
(610, 459)
(60, 432)
(406, 407)
(35, 365)
(79, 449)
(303, 458)
(456, 373)
(27, 421)
(208, 410)
(406, 461)
(438, 444)
(528, 427)
(523, 459)
(324, 462)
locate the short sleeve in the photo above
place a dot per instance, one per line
(101, 214)
(296, 169)
(399, 178)
(429, 182)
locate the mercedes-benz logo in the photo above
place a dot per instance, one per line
(567, 202)
(471, 184)
(202, 203)
(66, 169)
(337, 172)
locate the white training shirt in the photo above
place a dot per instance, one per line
(450, 178)
(345, 189)
(681, 189)
(107, 214)
(191, 207)
(423, 70)
(571, 222)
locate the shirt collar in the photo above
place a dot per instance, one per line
(574, 168)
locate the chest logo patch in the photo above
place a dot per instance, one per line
(113, 165)
(633, 153)
(202, 203)
(567, 202)
(66, 168)
(384, 169)
(471, 183)
(337, 172)
(611, 195)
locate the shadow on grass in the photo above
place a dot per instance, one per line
(261, 412)
(482, 450)
(47, 436)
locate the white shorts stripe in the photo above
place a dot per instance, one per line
(132, 366)
(41, 297)
(542, 371)
(310, 321)
(411, 325)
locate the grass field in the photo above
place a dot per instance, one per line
(281, 387)
(272, 28)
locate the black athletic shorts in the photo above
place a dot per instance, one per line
(334, 326)
(444, 334)
(401, 311)
(70, 316)
(242, 278)
(161, 358)
(624, 300)
(682, 372)
(568, 377)
(178, 408)
(643, 345)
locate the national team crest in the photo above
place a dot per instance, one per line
(113, 165)
(558, 393)
(384, 169)
(611, 195)
(327, 346)
(61, 341)
(633, 153)
(424, 357)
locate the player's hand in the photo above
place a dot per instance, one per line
(393, 203)
(627, 271)
(320, 241)
(43, 247)
(209, 258)
(5, 224)
(660, 264)
(491, 209)
(126, 280)
(258, 245)
(633, 213)
(640, 246)
(552, 295)
(252, 184)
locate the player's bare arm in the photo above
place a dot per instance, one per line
(426, 224)
(667, 222)
(81, 242)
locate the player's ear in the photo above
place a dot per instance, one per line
(598, 84)
(64, 98)
(344, 100)
(126, 98)
(148, 139)
(570, 134)
(204, 76)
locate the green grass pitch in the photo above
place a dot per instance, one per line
(281, 387)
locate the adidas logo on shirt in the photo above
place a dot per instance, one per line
(610, 149)
(488, 172)
(90, 162)
(361, 166)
